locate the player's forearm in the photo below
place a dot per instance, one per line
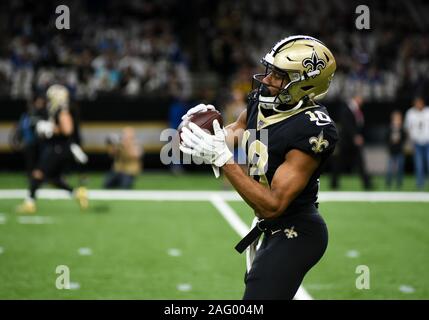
(260, 198)
(65, 125)
(66, 131)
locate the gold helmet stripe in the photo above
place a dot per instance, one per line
(285, 41)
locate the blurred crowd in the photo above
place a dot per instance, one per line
(391, 57)
(111, 47)
(160, 47)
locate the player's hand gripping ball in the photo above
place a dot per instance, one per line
(203, 116)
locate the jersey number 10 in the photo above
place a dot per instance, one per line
(321, 118)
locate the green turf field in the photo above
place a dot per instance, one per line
(184, 249)
(390, 238)
(129, 243)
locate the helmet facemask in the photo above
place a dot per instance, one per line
(262, 94)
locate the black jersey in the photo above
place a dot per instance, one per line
(268, 139)
(58, 139)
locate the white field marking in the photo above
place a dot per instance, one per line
(74, 286)
(302, 294)
(85, 251)
(229, 215)
(34, 220)
(152, 195)
(184, 287)
(174, 252)
(190, 195)
(3, 218)
(1, 250)
(242, 229)
(374, 196)
(406, 289)
(352, 254)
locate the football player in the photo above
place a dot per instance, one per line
(288, 136)
(58, 148)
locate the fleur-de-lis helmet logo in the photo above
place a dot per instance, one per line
(314, 63)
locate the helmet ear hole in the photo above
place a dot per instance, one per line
(326, 56)
(306, 88)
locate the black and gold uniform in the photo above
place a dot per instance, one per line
(56, 155)
(295, 241)
(55, 160)
(57, 139)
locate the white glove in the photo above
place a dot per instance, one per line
(212, 148)
(202, 108)
(196, 109)
(216, 171)
(45, 128)
(78, 153)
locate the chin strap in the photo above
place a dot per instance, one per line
(298, 105)
(275, 105)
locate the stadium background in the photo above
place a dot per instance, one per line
(140, 63)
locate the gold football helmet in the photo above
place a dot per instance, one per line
(307, 67)
(58, 98)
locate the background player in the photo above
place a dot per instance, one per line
(58, 148)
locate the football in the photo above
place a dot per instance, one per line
(202, 119)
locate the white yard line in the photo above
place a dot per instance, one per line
(172, 195)
(344, 196)
(152, 195)
(34, 220)
(230, 215)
